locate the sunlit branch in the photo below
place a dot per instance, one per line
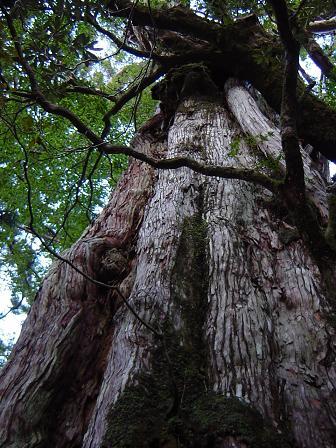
(311, 82)
(319, 57)
(13, 308)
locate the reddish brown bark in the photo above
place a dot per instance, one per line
(64, 343)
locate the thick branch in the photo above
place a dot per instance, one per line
(293, 190)
(175, 19)
(282, 19)
(289, 137)
(319, 57)
(208, 170)
(322, 26)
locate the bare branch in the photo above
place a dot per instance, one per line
(11, 309)
(90, 91)
(307, 77)
(208, 170)
(293, 190)
(128, 95)
(322, 26)
(289, 137)
(118, 42)
(319, 57)
(283, 23)
(177, 19)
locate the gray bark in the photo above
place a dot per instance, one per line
(260, 313)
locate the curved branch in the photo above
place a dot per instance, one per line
(118, 42)
(177, 19)
(90, 91)
(208, 170)
(128, 95)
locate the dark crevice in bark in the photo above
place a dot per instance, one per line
(150, 412)
(72, 326)
(173, 405)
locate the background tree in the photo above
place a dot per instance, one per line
(198, 308)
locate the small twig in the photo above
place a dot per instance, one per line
(11, 309)
(90, 91)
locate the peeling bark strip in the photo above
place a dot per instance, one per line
(47, 397)
(247, 357)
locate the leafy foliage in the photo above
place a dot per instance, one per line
(69, 181)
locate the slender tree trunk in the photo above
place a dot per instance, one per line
(242, 352)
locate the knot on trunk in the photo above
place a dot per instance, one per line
(114, 266)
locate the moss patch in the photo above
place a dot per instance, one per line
(172, 406)
(214, 417)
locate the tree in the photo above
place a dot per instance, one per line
(198, 309)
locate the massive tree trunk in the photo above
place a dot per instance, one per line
(226, 341)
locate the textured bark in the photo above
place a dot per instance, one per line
(246, 352)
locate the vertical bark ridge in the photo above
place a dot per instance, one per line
(265, 325)
(61, 353)
(268, 142)
(175, 199)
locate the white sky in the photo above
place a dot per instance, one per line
(10, 325)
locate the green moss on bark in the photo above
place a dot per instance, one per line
(173, 405)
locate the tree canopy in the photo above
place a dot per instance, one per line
(76, 79)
